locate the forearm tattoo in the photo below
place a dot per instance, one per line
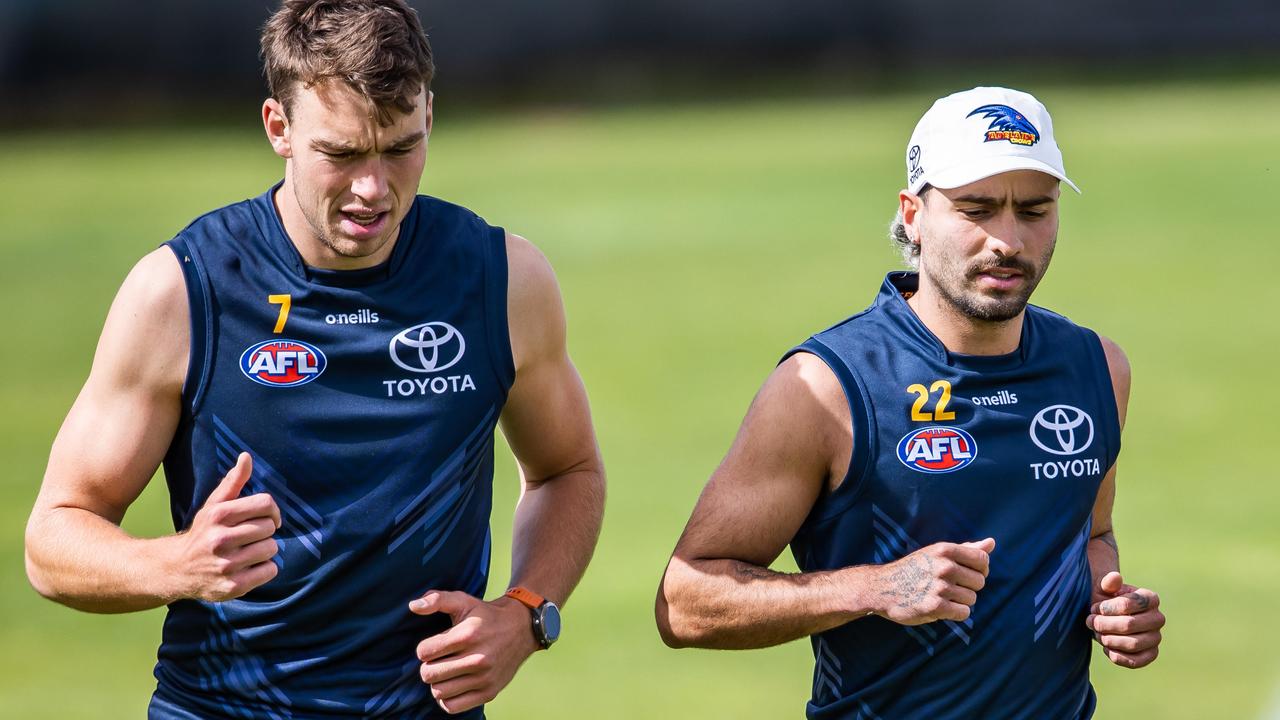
(1109, 537)
(910, 582)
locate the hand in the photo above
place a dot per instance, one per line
(228, 549)
(1127, 621)
(468, 664)
(937, 582)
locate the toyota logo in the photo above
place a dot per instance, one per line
(429, 347)
(1062, 430)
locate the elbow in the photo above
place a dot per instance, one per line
(674, 626)
(39, 578)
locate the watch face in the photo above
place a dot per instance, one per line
(550, 622)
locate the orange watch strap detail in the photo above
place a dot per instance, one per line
(526, 597)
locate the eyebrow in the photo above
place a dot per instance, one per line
(989, 201)
(339, 148)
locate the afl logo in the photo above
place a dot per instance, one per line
(1062, 430)
(282, 363)
(937, 449)
(429, 347)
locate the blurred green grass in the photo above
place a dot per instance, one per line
(694, 245)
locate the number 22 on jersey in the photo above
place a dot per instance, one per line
(922, 393)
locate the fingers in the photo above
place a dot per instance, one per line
(960, 595)
(437, 672)
(987, 545)
(1131, 644)
(449, 642)
(254, 553)
(1111, 583)
(239, 510)
(1133, 602)
(254, 576)
(464, 702)
(1125, 624)
(233, 483)
(247, 533)
(975, 556)
(953, 611)
(1132, 661)
(454, 603)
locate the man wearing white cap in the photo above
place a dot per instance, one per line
(942, 465)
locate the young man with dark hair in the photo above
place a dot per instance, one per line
(942, 465)
(321, 370)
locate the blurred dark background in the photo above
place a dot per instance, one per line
(78, 62)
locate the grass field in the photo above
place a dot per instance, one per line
(695, 245)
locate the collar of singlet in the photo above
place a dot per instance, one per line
(278, 239)
(895, 305)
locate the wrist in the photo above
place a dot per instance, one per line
(520, 618)
(857, 596)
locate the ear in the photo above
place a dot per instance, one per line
(276, 123)
(911, 207)
(430, 96)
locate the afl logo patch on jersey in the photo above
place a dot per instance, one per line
(427, 348)
(937, 449)
(282, 363)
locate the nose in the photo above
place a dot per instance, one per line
(1004, 235)
(370, 182)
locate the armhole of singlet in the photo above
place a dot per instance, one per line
(198, 361)
(1108, 400)
(495, 300)
(836, 502)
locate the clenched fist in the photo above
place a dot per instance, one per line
(937, 582)
(227, 551)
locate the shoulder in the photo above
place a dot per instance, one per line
(1121, 377)
(147, 333)
(805, 383)
(804, 393)
(535, 310)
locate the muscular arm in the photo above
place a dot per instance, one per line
(547, 422)
(718, 591)
(108, 448)
(1125, 619)
(1104, 551)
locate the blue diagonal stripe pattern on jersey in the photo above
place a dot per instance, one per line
(1066, 588)
(449, 489)
(296, 516)
(405, 692)
(893, 543)
(826, 673)
(224, 659)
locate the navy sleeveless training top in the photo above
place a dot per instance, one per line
(958, 448)
(368, 401)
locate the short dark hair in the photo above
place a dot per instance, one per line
(375, 46)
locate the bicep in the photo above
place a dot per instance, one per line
(775, 471)
(1118, 369)
(547, 417)
(120, 425)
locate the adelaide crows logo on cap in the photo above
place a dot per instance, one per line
(1007, 124)
(937, 449)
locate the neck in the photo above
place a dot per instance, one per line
(960, 333)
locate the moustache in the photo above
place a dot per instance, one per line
(1012, 263)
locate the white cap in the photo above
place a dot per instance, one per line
(975, 134)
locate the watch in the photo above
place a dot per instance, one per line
(546, 616)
